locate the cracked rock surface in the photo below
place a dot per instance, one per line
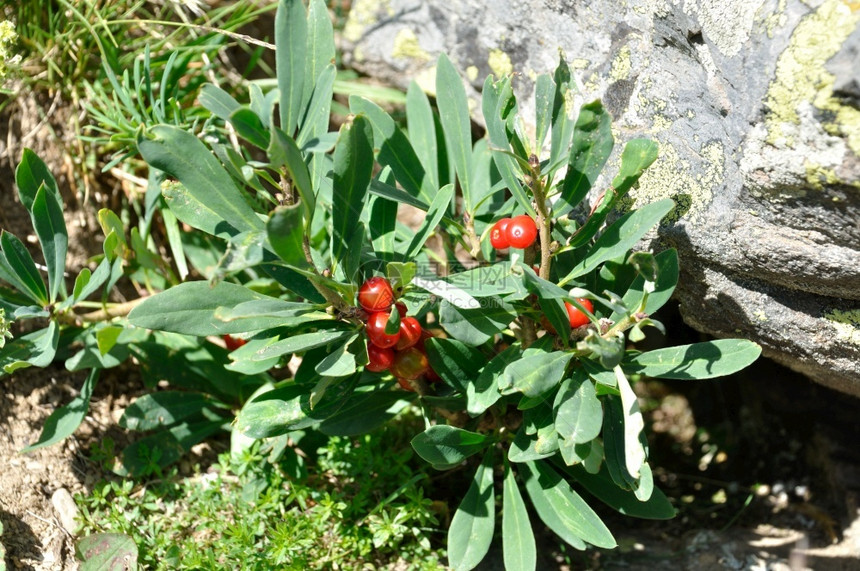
(756, 107)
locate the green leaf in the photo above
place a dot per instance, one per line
(107, 552)
(518, 541)
(601, 486)
(36, 349)
(579, 414)
(319, 57)
(592, 145)
(422, 132)
(189, 308)
(544, 104)
(438, 209)
(291, 33)
(667, 279)
(498, 99)
(283, 151)
(353, 166)
(477, 324)
(341, 361)
(184, 157)
(269, 312)
(174, 239)
(300, 343)
(315, 122)
(365, 412)
(621, 236)
(634, 424)
(379, 188)
(248, 125)
(562, 120)
(697, 361)
(285, 232)
(446, 446)
(614, 442)
(164, 408)
(66, 419)
(31, 174)
(638, 154)
(471, 531)
(454, 361)
(536, 374)
(383, 224)
(562, 509)
(19, 270)
(217, 101)
(456, 124)
(50, 227)
(484, 392)
(395, 150)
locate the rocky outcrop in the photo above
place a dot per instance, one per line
(756, 106)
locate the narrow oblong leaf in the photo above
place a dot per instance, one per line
(621, 236)
(536, 374)
(184, 157)
(283, 151)
(471, 531)
(438, 209)
(320, 54)
(291, 32)
(456, 124)
(395, 150)
(353, 166)
(592, 145)
(66, 419)
(18, 268)
(163, 408)
(422, 131)
(285, 232)
(518, 540)
(634, 424)
(446, 446)
(569, 510)
(697, 361)
(544, 102)
(32, 173)
(602, 487)
(474, 323)
(579, 414)
(217, 101)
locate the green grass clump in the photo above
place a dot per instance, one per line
(351, 503)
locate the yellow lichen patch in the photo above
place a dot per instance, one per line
(499, 62)
(362, 15)
(621, 65)
(672, 177)
(660, 123)
(406, 46)
(471, 73)
(426, 80)
(760, 315)
(846, 324)
(800, 72)
(580, 63)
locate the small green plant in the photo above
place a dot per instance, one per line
(252, 511)
(524, 352)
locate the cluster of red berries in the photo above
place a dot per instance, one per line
(517, 232)
(402, 352)
(233, 343)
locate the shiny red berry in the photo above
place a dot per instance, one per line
(401, 309)
(404, 384)
(498, 235)
(375, 295)
(410, 363)
(376, 331)
(521, 231)
(410, 333)
(577, 317)
(379, 359)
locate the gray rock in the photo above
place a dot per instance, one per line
(755, 106)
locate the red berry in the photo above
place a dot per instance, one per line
(401, 309)
(498, 235)
(577, 317)
(410, 363)
(233, 343)
(379, 359)
(375, 295)
(376, 331)
(521, 231)
(425, 335)
(410, 333)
